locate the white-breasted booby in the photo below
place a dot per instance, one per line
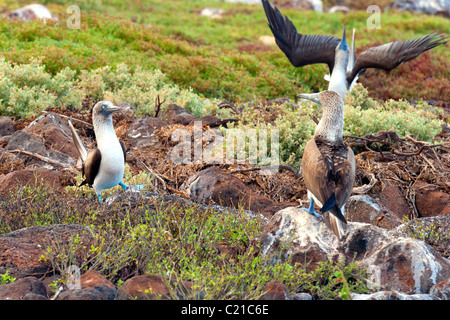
(302, 50)
(328, 164)
(103, 167)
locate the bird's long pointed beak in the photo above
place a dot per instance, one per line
(344, 45)
(112, 108)
(314, 97)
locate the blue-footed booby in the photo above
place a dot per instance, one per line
(302, 50)
(103, 167)
(328, 164)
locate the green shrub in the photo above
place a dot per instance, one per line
(27, 89)
(364, 115)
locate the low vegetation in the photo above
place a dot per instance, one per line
(216, 251)
(218, 58)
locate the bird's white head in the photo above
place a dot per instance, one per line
(102, 115)
(104, 109)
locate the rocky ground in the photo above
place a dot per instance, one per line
(398, 215)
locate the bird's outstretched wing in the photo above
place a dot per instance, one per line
(390, 55)
(300, 49)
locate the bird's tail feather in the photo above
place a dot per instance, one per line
(78, 143)
(334, 224)
(331, 205)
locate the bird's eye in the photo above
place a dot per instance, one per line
(103, 106)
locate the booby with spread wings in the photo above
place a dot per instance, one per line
(302, 50)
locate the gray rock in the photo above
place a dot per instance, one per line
(394, 261)
(141, 131)
(22, 140)
(391, 295)
(6, 126)
(424, 6)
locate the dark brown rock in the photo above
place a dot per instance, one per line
(394, 201)
(54, 132)
(441, 290)
(178, 115)
(275, 290)
(363, 208)
(54, 179)
(28, 288)
(205, 121)
(93, 285)
(213, 185)
(150, 287)
(430, 201)
(22, 140)
(21, 250)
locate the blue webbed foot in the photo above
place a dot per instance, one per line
(100, 198)
(311, 210)
(123, 185)
(132, 187)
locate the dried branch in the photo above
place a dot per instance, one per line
(158, 104)
(154, 174)
(42, 158)
(221, 122)
(313, 118)
(280, 167)
(226, 104)
(367, 187)
(73, 119)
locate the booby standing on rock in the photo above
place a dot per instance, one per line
(103, 167)
(328, 164)
(302, 50)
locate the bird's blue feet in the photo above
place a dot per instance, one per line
(123, 185)
(311, 210)
(99, 196)
(134, 187)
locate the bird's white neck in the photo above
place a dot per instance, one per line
(104, 133)
(338, 79)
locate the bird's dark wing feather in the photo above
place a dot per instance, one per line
(92, 166)
(124, 149)
(300, 49)
(328, 171)
(390, 55)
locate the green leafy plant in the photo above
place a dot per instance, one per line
(6, 278)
